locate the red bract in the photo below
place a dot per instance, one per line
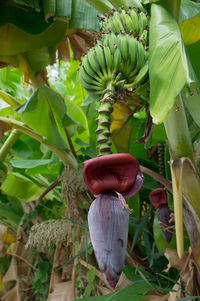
(108, 225)
(158, 197)
(119, 172)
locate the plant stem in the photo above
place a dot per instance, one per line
(177, 132)
(9, 143)
(103, 130)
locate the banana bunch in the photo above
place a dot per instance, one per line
(130, 60)
(96, 71)
(133, 21)
(116, 67)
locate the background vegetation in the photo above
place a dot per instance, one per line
(47, 130)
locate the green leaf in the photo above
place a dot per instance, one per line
(161, 242)
(22, 149)
(159, 239)
(190, 21)
(19, 186)
(4, 264)
(135, 273)
(158, 136)
(7, 212)
(27, 19)
(69, 123)
(39, 58)
(193, 51)
(81, 142)
(87, 101)
(63, 8)
(168, 66)
(192, 102)
(29, 163)
(44, 112)
(88, 290)
(135, 292)
(138, 126)
(77, 113)
(91, 274)
(17, 41)
(84, 16)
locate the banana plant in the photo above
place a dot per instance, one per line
(101, 74)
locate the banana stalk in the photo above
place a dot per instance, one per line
(103, 121)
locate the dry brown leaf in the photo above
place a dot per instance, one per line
(176, 293)
(3, 64)
(174, 260)
(87, 36)
(188, 273)
(63, 50)
(78, 45)
(13, 294)
(62, 292)
(11, 273)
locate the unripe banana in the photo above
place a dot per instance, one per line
(130, 21)
(134, 17)
(143, 21)
(108, 58)
(142, 75)
(117, 67)
(140, 62)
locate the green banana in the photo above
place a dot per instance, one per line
(116, 20)
(108, 58)
(94, 61)
(140, 61)
(99, 51)
(132, 43)
(142, 75)
(143, 21)
(130, 21)
(117, 59)
(83, 74)
(93, 72)
(134, 17)
(123, 46)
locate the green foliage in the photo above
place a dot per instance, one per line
(39, 278)
(59, 119)
(168, 62)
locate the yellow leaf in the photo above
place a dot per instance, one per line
(190, 30)
(8, 238)
(119, 116)
(119, 129)
(11, 248)
(178, 209)
(1, 283)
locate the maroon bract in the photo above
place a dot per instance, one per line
(158, 198)
(111, 178)
(108, 225)
(119, 172)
